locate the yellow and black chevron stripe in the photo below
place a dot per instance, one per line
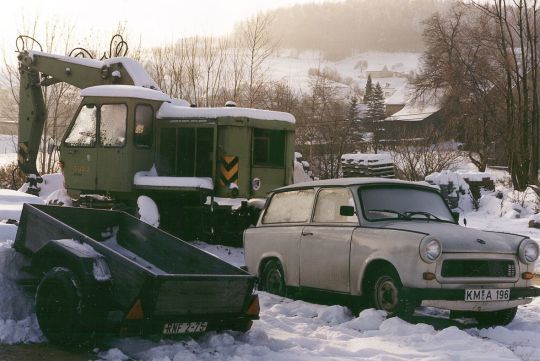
(228, 170)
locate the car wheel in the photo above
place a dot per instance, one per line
(495, 318)
(58, 306)
(387, 296)
(273, 280)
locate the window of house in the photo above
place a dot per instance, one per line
(269, 147)
(290, 207)
(83, 132)
(113, 124)
(144, 119)
(329, 202)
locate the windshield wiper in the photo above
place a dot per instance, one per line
(428, 215)
(400, 215)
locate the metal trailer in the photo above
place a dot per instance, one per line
(105, 271)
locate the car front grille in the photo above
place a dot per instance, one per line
(478, 268)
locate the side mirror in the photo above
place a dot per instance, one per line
(346, 211)
(456, 216)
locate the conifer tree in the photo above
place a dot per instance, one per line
(375, 115)
(369, 90)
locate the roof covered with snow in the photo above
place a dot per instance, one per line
(124, 91)
(172, 111)
(417, 109)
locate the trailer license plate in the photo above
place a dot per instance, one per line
(176, 328)
(487, 294)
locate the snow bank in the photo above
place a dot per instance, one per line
(18, 322)
(11, 203)
(453, 188)
(302, 172)
(297, 330)
(51, 183)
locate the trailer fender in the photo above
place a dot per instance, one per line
(91, 270)
(89, 265)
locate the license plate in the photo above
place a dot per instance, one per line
(487, 294)
(177, 328)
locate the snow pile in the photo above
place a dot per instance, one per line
(18, 322)
(302, 172)
(454, 189)
(51, 184)
(508, 203)
(148, 211)
(12, 203)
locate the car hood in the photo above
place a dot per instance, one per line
(455, 238)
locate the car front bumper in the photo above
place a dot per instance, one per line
(454, 299)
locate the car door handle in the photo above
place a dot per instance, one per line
(307, 233)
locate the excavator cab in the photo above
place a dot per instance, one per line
(108, 140)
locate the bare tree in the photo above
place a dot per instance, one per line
(259, 46)
(324, 127)
(516, 40)
(427, 153)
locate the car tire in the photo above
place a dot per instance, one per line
(58, 307)
(387, 296)
(273, 278)
(495, 318)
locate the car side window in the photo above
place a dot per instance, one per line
(289, 207)
(329, 202)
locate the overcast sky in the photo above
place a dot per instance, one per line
(156, 21)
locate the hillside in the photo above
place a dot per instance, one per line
(340, 29)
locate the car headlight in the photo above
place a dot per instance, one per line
(430, 249)
(528, 251)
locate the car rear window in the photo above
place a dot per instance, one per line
(289, 207)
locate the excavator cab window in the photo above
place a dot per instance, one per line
(144, 117)
(269, 148)
(83, 132)
(112, 125)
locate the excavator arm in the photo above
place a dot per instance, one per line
(37, 70)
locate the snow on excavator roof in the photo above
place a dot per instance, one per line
(173, 111)
(135, 70)
(125, 91)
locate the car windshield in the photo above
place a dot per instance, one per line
(407, 203)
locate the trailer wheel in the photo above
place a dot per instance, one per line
(273, 278)
(58, 306)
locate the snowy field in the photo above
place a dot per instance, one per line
(298, 330)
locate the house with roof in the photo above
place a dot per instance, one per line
(417, 116)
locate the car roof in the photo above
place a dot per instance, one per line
(343, 182)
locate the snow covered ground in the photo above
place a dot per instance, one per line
(298, 330)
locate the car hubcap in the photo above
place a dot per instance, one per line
(273, 282)
(387, 295)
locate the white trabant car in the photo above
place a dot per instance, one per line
(394, 244)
